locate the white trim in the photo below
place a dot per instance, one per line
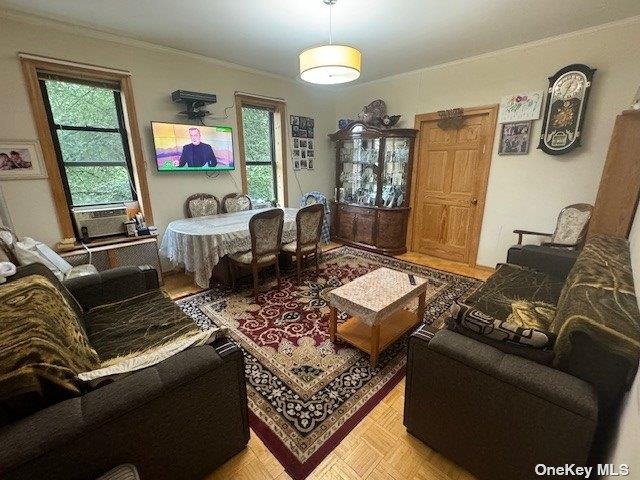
(69, 63)
(65, 26)
(523, 46)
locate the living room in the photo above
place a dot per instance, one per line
(321, 239)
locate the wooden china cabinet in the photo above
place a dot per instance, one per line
(373, 178)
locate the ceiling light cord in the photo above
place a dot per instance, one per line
(330, 27)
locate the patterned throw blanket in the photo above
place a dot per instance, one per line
(43, 346)
(140, 332)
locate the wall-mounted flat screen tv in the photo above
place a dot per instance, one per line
(192, 148)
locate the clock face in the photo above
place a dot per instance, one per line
(569, 85)
(564, 113)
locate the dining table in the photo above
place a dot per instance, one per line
(200, 243)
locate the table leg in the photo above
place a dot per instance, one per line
(421, 306)
(333, 323)
(375, 344)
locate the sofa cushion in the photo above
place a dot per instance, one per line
(479, 322)
(141, 331)
(518, 294)
(44, 347)
(598, 308)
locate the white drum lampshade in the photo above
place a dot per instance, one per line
(330, 64)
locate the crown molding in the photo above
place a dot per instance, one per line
(112, 36)
(523, 46)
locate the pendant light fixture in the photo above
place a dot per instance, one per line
(330, 64)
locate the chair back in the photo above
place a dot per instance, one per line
(311, 198)
(234, 202)
(309, 221)
(265, 229)
(573, 222)
(201, 205)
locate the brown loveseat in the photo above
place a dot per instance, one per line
(178, 419)
(499, 409)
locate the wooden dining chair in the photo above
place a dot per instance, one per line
(265, 229)
(308, 231)
(235, 202)
(201, 205)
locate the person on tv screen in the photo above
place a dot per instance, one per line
(196, 153)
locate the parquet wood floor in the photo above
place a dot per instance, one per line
(379, 448)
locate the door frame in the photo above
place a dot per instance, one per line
(482, 178)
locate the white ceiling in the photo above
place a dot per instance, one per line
(394, 35)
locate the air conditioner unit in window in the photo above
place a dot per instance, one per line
(100, 221)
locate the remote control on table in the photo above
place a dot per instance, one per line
(412, 279)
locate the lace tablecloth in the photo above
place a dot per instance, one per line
(199, 243)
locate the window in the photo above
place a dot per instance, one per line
(259, 153)
(90, 140)
(261, 135)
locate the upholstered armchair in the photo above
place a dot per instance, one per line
(571, 228)
(308, 228)
(201, 205)
(265, 229)
(557, 255)
(234, 202)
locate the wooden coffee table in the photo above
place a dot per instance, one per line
(375, 302)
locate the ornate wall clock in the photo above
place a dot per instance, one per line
(565, 109)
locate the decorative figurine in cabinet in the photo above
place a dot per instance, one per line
(373, 177)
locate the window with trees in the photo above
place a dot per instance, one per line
(259, 153)
(262, 142)
(90, 139)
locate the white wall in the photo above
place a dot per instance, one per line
(155, 73)
(626, 448)
(524, 191)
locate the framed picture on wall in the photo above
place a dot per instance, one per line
(21, 160)
(515, 138)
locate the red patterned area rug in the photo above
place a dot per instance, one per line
(305, 393)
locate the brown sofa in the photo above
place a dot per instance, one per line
(499, 409)
(178, 419)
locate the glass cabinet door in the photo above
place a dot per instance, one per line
(359, 167)
(395, 174)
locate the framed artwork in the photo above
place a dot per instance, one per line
(303, 164)
(520, 107)
(565, 109)
(21, 160)
(310, 162)
(515, 138)
(301, 127)
(296, 164)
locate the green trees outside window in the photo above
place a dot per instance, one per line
(91, 141)
(257, 125)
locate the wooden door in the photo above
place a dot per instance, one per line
(451, 172)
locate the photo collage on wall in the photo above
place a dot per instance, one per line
(302, 143)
